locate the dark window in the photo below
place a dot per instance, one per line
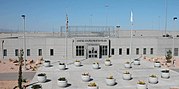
(175, 51)
(112, 51)
(144, 50)
(5, 52)
(28, 52)
(120, 51)
(80, 51)
(137, 51)
(40, 52)
(16, 52)
(104, 50)
(151, 51)
(128, 51)
(51, 52)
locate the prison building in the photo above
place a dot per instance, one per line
(89, 42)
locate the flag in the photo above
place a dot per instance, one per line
(66, 23)
(131, 17)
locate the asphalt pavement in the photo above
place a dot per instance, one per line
(177, 70)
(14, 76)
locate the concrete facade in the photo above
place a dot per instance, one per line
(119, 39)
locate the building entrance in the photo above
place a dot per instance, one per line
(93, 51)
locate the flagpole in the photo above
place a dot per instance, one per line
(131, 20)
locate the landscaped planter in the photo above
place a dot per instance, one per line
(36, 86)
(107, 62)
(141, 85)
(136, 62)
(85, 77)
(62, 66)
(127, 65)
(126, 76)
(153, 79)
(92, 85)
(62, 82)
(95, 65)
(46, 63)
(77, 63)
(157, 64)
(165, 74)
(41, 77)
(110, 81)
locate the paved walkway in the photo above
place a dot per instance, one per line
(14, 76)
(73, 75)
(177, 70)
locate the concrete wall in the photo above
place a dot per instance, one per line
(47, 41)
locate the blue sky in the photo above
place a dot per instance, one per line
(49, 15)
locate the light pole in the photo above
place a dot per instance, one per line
(107, 19)
(3, 49)
(159, 22)
(165, 16)
(91, 20)
(66, 39)
(23, 16)
(174, 19)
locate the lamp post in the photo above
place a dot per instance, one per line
(173, 38)
(106, 6)
(23, 16)
(166, 16)
(3, 49)
(174, 20)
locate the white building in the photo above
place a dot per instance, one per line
(84, 42)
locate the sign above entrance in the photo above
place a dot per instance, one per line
(90, 40)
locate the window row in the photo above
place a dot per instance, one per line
(137, 52)
(28, 52)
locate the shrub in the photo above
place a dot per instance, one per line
(108, 60)
(92, 84)
(127, 62)
(41, 74)
(110, 77)
(168, 56)
(47, 61)
(85, 74)
(153, 76)
(62, 79)
(126, 72)
(61, 63)
(37, 86)
(77, 61)
(136, 60)
(141, 82)
(165, 71)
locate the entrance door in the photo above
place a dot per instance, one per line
(93, 51)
